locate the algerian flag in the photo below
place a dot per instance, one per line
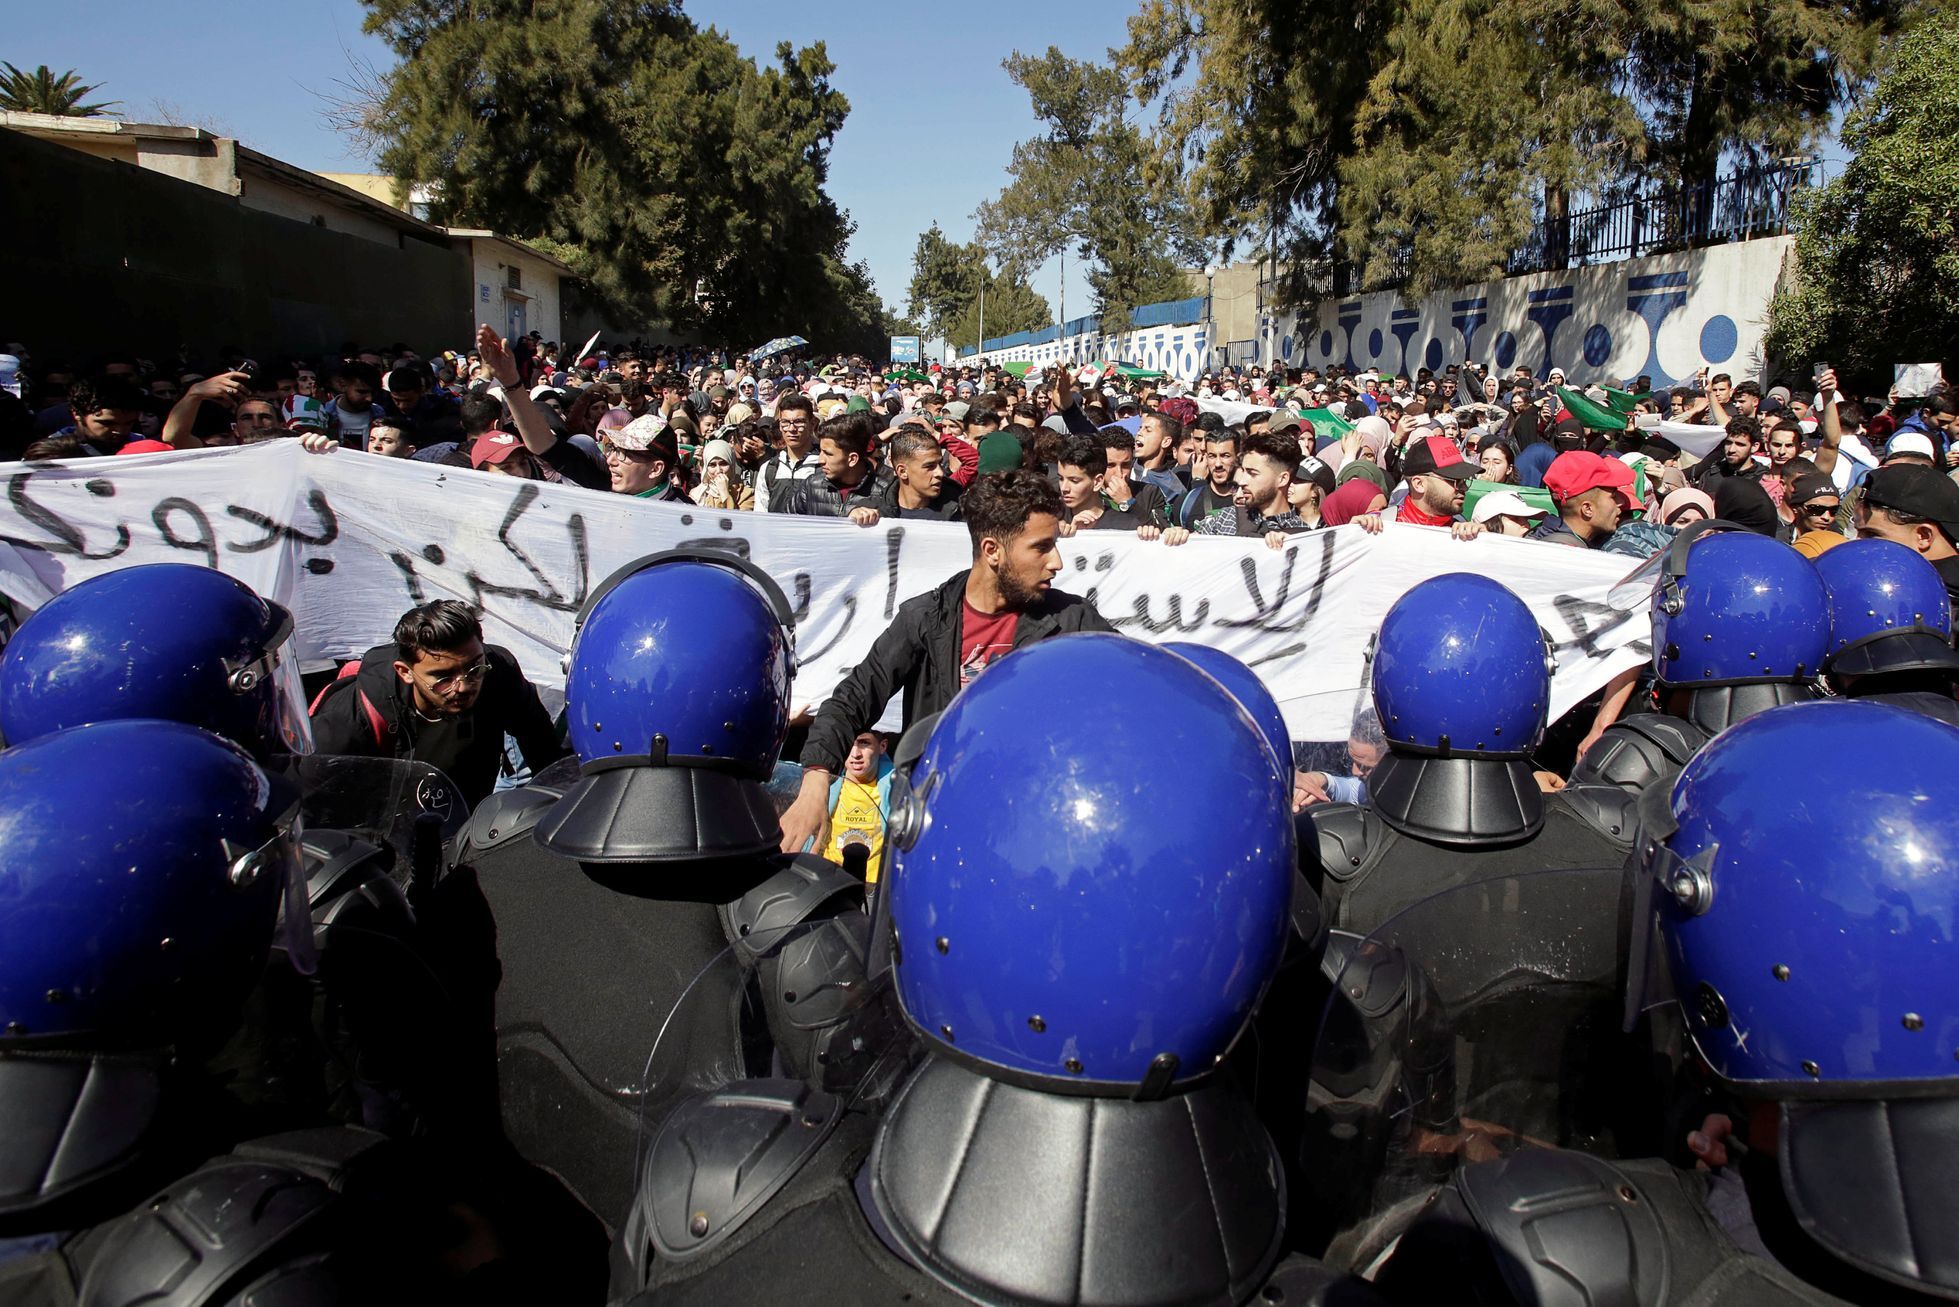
(1326, 422)
(1623, 401)
(1596, 417)
(1016, 368)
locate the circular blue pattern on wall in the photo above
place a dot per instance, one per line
(1185, 362)
(1506, 351)
(1719, 338)
(1326, 343)
(1374, 343)
(1432, 358)
(1598, 345)
(1285, 347)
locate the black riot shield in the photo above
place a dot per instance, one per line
(396, 804)
(1479, 1021)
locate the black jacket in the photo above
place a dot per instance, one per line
(818, 496)
(946, 507)
(369, 715)
(919, 654)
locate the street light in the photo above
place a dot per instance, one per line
(1210, 317)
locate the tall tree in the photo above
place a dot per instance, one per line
(1079, 187)
(1877, 250)
(692, 180)
(1420, 138)
(1010, 305)
(945, 278)
(42, 92)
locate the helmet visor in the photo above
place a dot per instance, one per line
(272, 682)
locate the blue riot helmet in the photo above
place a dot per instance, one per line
(143, 866)
(1462, 685)
(1247, 689)
(1888, 611)
(1808, 940)
(1047, 931)
(677, 693)
(169, 641)
(1740, 622)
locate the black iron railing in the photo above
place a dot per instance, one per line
(1643, 218)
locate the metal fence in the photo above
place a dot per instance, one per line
(1644, 218)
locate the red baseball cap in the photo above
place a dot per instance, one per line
(493, 447)
(1573, 473)
(147, 447)
(1438, 456)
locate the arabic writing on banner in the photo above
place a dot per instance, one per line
(350, 541)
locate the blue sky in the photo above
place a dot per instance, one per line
(932, 125)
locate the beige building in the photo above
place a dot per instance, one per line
(518, 289)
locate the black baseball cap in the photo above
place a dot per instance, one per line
(1316, 470)
(1811, 484)
(1438, 456)
(1920, 491)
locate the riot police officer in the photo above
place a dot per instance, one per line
(131, 937)
(1077, 972)
(1740, 624)
(616, 878)
(1890, 628)
(1462, 686)
(1810, 962)
(366, 1038)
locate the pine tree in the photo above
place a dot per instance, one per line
(1079, 188)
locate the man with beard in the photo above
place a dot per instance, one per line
(1438, 476)
(942, 639)
(1262, 507)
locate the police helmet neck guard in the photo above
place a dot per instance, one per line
(1715, 708)
(1007, 1194)
(1457, 801)
(676, 746)
(79, 1122)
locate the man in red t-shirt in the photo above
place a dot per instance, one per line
(940, 640)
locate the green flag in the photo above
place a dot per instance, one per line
(1596, 417)
(1623, 401)
(1016, 369)
(1326, 422)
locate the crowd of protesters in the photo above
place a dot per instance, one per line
(1247, 452)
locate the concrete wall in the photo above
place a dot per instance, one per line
(301, 204)
(1662, 317)
(105, 256)
(535, 306)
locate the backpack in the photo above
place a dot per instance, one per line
(345, 679)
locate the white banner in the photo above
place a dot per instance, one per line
(350, 541)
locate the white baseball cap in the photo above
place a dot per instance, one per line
(1503, 503)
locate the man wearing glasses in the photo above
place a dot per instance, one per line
(439, 695)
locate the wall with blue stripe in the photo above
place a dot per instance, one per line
(1663, 317)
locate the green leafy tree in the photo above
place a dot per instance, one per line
(42, 92)
(1877, 249)
(1420, 139)
(1010, 305)
(691, 179)
(945, 279)
(1079, 188)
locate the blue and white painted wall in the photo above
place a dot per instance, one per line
(1664, 317)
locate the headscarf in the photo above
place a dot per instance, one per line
(1363, 469)
(1349, 501)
